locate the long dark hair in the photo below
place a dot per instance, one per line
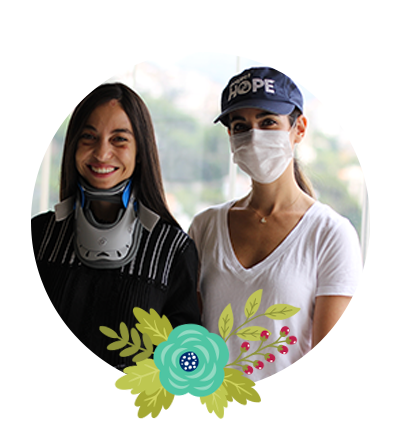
(301, 179)
(147, 180)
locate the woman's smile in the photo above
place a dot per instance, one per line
(101, 170)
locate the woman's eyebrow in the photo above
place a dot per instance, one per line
(258, 116)
(123, 130)
(265, 113)
(89, 127)
(232, 119)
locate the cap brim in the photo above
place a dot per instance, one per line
(275, 107)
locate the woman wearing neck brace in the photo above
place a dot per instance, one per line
(278, 238)
(112, 244)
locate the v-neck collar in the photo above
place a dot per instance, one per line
(276, 253)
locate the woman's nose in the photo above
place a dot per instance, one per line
(102, 150)
(256, 125)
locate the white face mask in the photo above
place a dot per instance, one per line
(263, 154)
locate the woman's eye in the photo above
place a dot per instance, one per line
(239, 127)
(268, 122)
(87, 137)
(119, 139)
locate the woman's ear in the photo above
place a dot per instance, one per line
(300, 128)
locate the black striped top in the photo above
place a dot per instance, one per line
(162, 276)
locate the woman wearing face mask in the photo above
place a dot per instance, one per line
(112, 244)
(278, 238)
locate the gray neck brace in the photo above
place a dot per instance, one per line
(99, 245)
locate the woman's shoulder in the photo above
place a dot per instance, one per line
(47, 231)
(163, 251)
(39, 227)
(44, 221)
(325, 215)
(40, 222)
(170, 235)
(338, 251)
(211, 213)
(43, 217)
(207, 224)
(329, 225)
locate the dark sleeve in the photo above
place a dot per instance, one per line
(38, 226)
(181, 305)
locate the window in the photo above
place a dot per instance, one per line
(184, 98)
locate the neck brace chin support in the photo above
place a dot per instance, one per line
(100, 245)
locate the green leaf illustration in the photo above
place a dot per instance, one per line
(137, 393)
(124, 331)
(135, 337)
(145, 375)
(116, 345)
(225, 323)
(147, 343)
(253, 303)
(251, 333)
(281, 311)
(215, 406)
(109, 332)
(152, 401)
(129, 351)
(142, 356)
(152, 324)
(236, 383)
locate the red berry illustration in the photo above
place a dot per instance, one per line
(264, 335)
(258, 364)
(291, 340)
(283, 349)
(245, 346)
(248, 370)
(284, 331)
(269, 357)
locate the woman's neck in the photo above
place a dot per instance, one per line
(275, 196)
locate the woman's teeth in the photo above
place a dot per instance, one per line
(102, 170)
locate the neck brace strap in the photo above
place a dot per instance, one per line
(105, 245)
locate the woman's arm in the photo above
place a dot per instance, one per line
(200, 303)
(331, 326)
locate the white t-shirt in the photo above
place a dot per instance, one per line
(320, 257)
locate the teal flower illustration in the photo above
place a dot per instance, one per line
(191, 361)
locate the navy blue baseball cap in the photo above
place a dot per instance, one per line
(260, 87)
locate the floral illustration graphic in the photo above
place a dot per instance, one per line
(190, 359)
(256, 333)
(154, 329)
